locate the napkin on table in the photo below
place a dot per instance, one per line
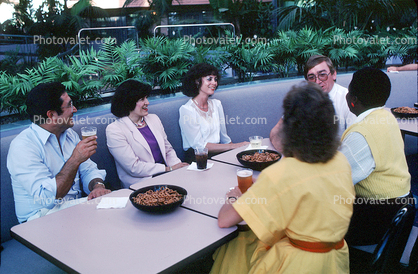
(193, 166)
(113, 202)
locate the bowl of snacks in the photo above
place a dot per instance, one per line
(404, 112)
(158, 198)
(258, 159)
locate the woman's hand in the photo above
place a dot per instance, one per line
(236, 145)
(233, 194)
(177, 166)
(228, 216)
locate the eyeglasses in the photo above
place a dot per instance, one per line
(322, 77)
(70, 105)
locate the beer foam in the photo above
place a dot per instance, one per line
(244, 173)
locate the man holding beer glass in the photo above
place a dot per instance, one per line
(49, 166)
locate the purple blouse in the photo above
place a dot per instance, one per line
(153, 144)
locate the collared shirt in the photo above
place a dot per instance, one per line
(342, 113)
(34, 159)
(358, 153)
(199, 128)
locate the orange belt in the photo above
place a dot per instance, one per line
(317, 247)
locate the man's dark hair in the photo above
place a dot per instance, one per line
(315, 60)
(371, 87)
(309, 131)
(126, 95)
(42, 98)
(195, 73)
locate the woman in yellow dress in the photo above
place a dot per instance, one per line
(299, 209)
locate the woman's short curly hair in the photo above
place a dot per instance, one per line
(126, 95)
(195, 74)
(309, 131)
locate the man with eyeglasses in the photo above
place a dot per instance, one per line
(319, 69)
(49, 166)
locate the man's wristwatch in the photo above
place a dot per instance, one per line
(99, 183)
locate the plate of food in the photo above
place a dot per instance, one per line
(158, 198)
(258, 159)
(404, 112)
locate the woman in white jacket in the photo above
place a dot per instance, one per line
(202, 120)
(137, 140)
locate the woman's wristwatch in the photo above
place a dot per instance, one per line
(231, 198)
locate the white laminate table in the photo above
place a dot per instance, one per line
(84, 239)
(205, 189)
(230, 156)
(407, 125)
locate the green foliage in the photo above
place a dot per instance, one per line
(369, 16)
(345, 48)
(162, 62)
(75, 76)
(120, 63)
(165, 61)
(12, 96)
(246, 58)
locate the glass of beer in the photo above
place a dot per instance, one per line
(88, 131)
(201, 154)
(245, 179)
(255, 141)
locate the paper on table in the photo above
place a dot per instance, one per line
(113, 202)
(261, 147)
(193, 166)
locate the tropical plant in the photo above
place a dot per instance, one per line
(13, 89)
(246, 58)
(210, 56)
(164, 61)
(298, 46)
(75, 77)
(120, 62)
(404, 45)
(339, 50)
(349, 15)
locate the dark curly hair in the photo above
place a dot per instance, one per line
(195, 73)
(126, 95)
(309, 131)
(371, 87)
(42, 98)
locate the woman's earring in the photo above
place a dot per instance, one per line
(352, 104)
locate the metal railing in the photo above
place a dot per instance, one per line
(104, 28)
(195, 25)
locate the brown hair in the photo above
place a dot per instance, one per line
(315, 60)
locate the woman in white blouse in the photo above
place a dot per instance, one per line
(202, 120)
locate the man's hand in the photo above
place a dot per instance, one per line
(98, 191)
(84, 149)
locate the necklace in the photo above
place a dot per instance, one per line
(197, 104)
(140, 124)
